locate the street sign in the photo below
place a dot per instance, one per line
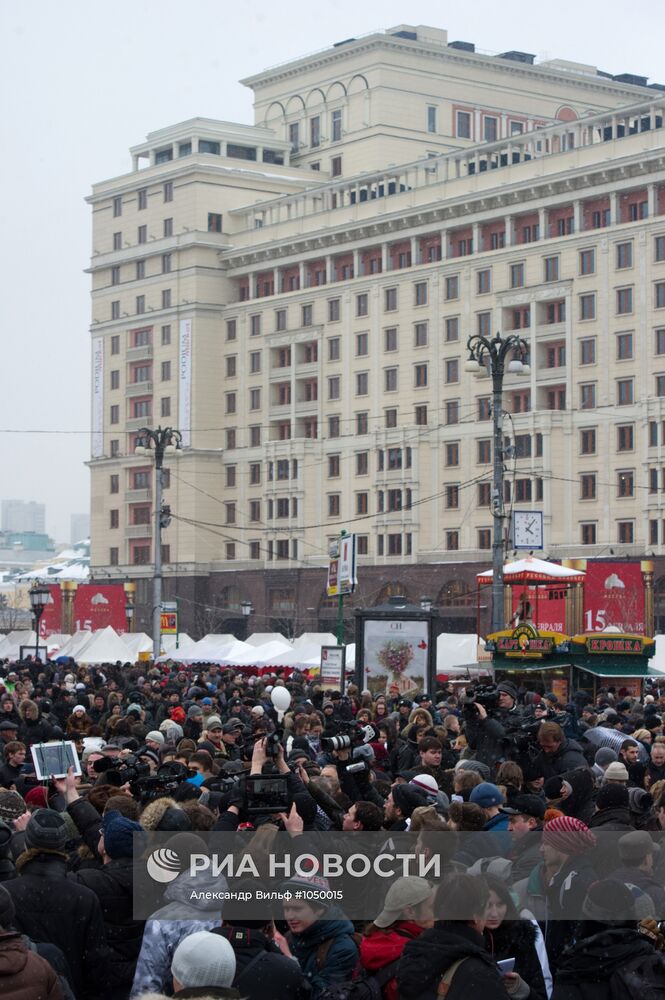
(342, 577)
(169, 618)
(331, 676)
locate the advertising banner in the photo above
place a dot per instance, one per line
(614, 595)
(546, 608)
(185, 382)
(97, 606)
(395, 656)
(169, 618)
(342, 577)
(51, 619)
(97, 423)
(331, 676)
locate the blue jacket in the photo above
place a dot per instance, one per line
(341, 958)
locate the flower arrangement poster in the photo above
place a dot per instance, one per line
(395, 656)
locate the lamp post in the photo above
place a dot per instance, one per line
(160, 442)
(491, 355)
(39, 598)
(129, 615)
(426, 603)
(246, 608)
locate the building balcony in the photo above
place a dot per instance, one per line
(139, 531)
(139, 353)
(138, 496)
(136, 423)
(138, 389)
(557, 330)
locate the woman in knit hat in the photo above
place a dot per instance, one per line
(79, 723)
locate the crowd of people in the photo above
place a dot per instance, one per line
(538, 903)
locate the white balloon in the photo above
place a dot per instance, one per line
(280, 698)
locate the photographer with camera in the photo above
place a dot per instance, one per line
(491, 715)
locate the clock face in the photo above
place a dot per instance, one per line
(527, 529)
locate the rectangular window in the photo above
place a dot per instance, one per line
(463, 124)
(588, 351)
(625, 484)
(624, 252)
(551, 267)
(452, 371)
(333, 310)
(307, 315)
(420, 335)
(452, 496)
(588, 486)
(115, 379)
(166, 298)
(336, 166)
(362, 423)
(336, 125)
(659, 337)
(333, 505)
(114, 557)
(140, 304)
(142, 234)
(484, 538)
(168, 227)
(420, 415)
(166, 406)
(390, 417)
(334, 387)
(587, 262)
(114, 483)
(231, 366)
(362, 304)
(483, 281)
(333, 466)
(140, 270)
(659, 248)
(624, 346)
(625, 532)
(333, 349)
(452, 329)
(484, 447)
(588, 441)
(315, 131)
(114, 521)
(230, 435)
(452, 411)
(167, 263)
(490, 129)
(389, 299)
(588, 396)
(484, 494)
(624, 301)
(517, 275)
(431, 118)
(117, 206)
(452, 454)
(168, 191)
(390, 339)
(660, 385)
(115, 414)
(659, 295)
(420, 293)
(452, 287)
(588, 533)
(142, 198)
(230, 402)
(115, 275)
(115, 309)
(362, 383)
(255, 473)
(483, 324)
(390, 379)
(625, 437)
(231, 329)
(362, 463)
(484, 407)
(255, 325)
(625, 394)
(588, 306)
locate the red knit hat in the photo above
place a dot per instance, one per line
(178, 714)
(37, 797)
(568, 835)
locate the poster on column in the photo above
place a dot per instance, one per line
(614, 595)
(51, 619)
(97, 606)
(395, 657)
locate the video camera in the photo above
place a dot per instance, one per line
(350, 735)
(486, 695)
(163, 782)
(120, 770)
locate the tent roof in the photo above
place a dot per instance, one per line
(315, 639)
(105, 646)
(263, 638)
(532, 570)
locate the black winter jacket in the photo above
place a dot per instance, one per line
(271, 974)
(586, 969)
(517, 939)
(51, 907)
(568, 757)
(112, 885)
(426, 958)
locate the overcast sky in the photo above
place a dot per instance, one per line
(83, 81)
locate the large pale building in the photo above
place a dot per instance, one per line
(296, 296)
(23, 515)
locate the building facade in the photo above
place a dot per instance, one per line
(23, 515)
(296, 296)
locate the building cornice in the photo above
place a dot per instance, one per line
(457, 57)
(456, 212)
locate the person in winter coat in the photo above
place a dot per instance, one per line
(557, 754)
(51, 907)
(320, 939)
(180, 917)
(606, 945)
(508, 936)
(453, 950)
(113, 886)
(579, 801)
(79, 723)
(408, 910)
(612, 817)
(263, 972)
(33, 729)
(203, 966)
(24, 975)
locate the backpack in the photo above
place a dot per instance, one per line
(368, 986)
(642, 978)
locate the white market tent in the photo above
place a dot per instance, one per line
(135, 643)
(10, 645)
(106, 646)
(263, 638)
(532, 570)
(315, 639)
(208, 651)
(75, 644)
(457, 655)
(169, 641)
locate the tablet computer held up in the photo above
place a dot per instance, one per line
(52, 760)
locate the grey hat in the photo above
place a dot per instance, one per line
(46, 831)
(156, 737)
(616, 771)
(232, 726)
(636, 846)
(474, 765)
(214, 722)
(133, 708)
(8, 725)
(605, 756)
(204, 959)
(194, 711)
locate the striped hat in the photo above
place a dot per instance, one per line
(568, 835)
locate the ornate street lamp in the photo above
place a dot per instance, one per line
(39, 595)
(158, 443)
(491, 355)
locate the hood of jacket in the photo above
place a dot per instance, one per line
(596, 957)
(13, 954)
(383, 947)
(437, 949)
(616, 817)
